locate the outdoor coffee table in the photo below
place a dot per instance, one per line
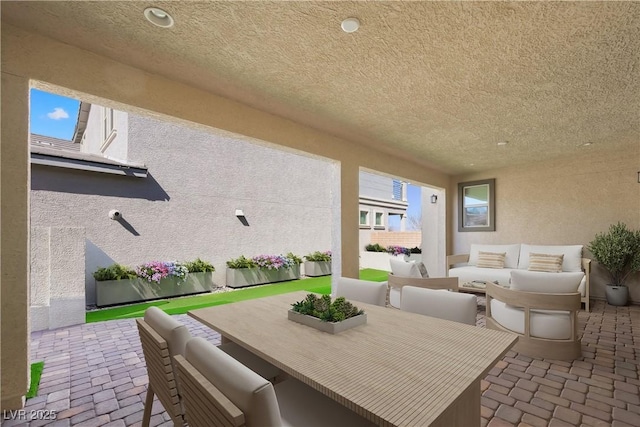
(476, 286)
(399, 369)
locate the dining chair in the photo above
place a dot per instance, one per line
(162, 338)
(362, 290)
(219, 390)
(442, 304)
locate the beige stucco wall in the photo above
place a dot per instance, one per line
(564, 201)
(94, 78)
(14, 244)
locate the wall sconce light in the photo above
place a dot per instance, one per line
(434, 198)
(239, 212)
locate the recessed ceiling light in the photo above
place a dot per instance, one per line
(502, 143)
(586, 144)
(158, 17)
(350, 25)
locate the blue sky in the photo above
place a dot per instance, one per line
(53, 115)
(414, 209)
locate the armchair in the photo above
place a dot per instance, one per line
(542, 308)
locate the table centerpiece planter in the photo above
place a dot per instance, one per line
(123, 291)
(335, 317)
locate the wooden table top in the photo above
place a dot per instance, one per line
(399, 369)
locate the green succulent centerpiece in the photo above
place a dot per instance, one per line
(326, 315)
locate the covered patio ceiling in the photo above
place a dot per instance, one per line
(441, 83)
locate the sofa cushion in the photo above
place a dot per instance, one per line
(555, 325)
(511, 253)
(545, 262)
(490, 259)
(572, 260)
(551, 283)
(402, 268)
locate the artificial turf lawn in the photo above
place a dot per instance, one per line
(321, 285)
(36, 373)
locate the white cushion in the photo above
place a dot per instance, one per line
(301, 405)
(174, 333)
(394, 297)
(362, 290)
(440, 303)
(251, 393)
(550, 283)
(550, 324)
(511, 253)
(404, 269)
(572, 255)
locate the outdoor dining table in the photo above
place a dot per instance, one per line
(399, 369)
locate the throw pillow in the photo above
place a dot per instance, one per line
(404, 269)
(549, 263)
(422, 269)
(491, 259)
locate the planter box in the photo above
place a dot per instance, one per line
(317, 268)
(112, 292)
(241, 277)
(329, 327)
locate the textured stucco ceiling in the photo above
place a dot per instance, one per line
(442, 82)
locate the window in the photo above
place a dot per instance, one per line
(364, 218)
(476, 206)
(379, 220)
(108, 131)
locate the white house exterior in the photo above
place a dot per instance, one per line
(183, 209)
(380, 197)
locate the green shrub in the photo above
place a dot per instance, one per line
(294, 258)
(199, 266)
(241, 262)
(415, 250)
(114, 272)
(618, 251)
(318, 256)
(375, 248)
(325, 310)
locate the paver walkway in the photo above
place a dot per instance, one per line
(95, 375)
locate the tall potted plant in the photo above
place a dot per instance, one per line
(618, 251)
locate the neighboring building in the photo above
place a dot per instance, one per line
(177, 190)
(380, 198)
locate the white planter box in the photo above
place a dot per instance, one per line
(113, 292)
(241, 277)
(329, 327)
(317, 268)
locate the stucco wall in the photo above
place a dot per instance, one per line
(373, 185)
(94, 134)
(565, 201)
(186, 207)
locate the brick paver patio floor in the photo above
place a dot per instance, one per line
(95, 375)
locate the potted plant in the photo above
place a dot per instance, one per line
(118, 284)
(262, 269)
(618, 251)
(317, 264)
(325, 315)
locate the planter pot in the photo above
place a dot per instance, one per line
(413, 257)
(113, 292)
(329, 327)
(241, 277)
(317, 268)
(617, 295)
